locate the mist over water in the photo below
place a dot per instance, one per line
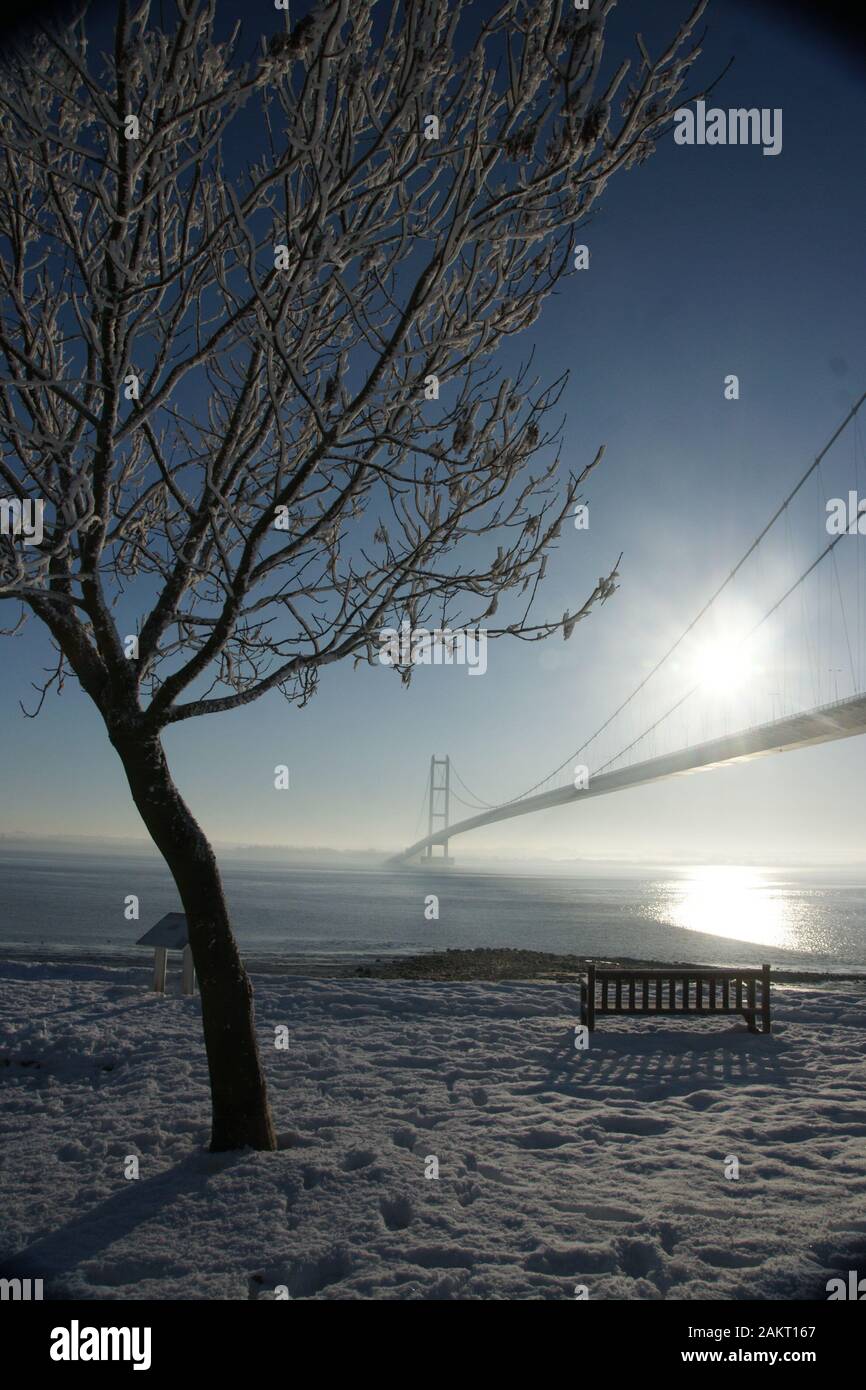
(809, 919)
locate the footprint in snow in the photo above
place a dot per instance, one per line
(397, 1212)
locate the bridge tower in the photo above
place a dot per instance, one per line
(439, 804)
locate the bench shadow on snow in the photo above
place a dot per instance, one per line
(661, 1062)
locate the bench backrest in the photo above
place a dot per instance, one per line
(702, 990)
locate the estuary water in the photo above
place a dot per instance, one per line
(74, 904)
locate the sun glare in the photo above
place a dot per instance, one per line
(735, 902)
(722, 666)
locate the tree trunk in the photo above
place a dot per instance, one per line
(241, 1116)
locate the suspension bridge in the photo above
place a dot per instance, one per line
(774, 660)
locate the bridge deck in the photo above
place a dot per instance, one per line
(842, 719)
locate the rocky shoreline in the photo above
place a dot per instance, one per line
(512, 963)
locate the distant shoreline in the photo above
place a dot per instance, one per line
(455, 965)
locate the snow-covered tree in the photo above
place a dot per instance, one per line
(251, 309)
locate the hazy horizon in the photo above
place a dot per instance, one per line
(494, 859)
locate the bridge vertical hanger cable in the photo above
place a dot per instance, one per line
(825, 615)
(845, 626)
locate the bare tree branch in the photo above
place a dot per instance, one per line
(261, 396)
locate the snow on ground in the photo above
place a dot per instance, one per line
(556, 1168)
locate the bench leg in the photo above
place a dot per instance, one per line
(587, 1015)
(765, 998)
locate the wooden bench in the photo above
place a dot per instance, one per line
(702, 991)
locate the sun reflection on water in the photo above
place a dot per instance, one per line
(739, 903)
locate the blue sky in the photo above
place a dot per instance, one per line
(704, 262)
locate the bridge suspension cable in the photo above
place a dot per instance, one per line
(681, 701)
(477, 803)
(780, 510)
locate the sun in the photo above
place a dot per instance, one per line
(723, 666)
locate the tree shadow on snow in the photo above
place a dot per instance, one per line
(56, 1256)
